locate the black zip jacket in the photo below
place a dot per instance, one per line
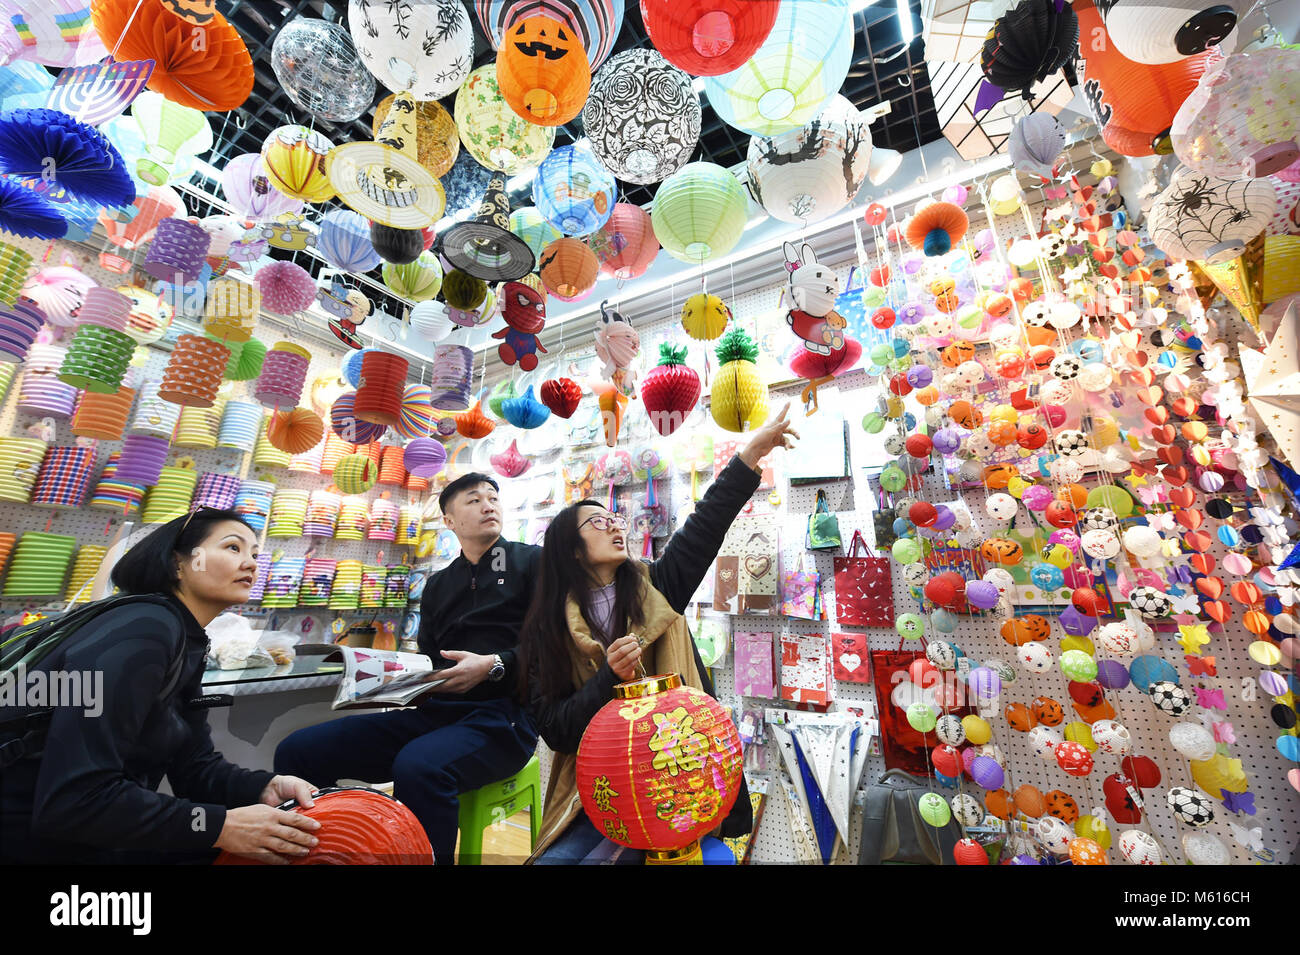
(91, 796)
(480, 608)
(687, 557)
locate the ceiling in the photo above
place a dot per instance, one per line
(883, 69)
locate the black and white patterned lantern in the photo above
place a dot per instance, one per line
(424, 47)
(642, 117)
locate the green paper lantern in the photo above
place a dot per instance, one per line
(418, 281)
(921, 717)
(250, 361)
(893, 479)
(1078, 666)
(1109, 495)
(934, 810)
(873, 422)
(699, 212)
(910, 626)
(906, 550)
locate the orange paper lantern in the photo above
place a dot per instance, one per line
(103, 417)
(474, 423)
(542, 71)
(380, 388)
(204, 68)
(392, 469)
(659, 766)
(568, 269)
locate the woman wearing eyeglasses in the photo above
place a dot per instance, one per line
(79, 777)
(599, 618)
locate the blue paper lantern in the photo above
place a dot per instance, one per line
(1145, 670)
(344, 240)
(525, 411)
(573, 191)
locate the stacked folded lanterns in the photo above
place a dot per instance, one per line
(19, 325)
(375, 452)
(240, 423)
(284, 581)
(346, 592)
(373, 577)
(310, 460)
(317, 582)
(103, 417)
(179, 248)
(353, 518)
(199, 427)
(170, 496)
(220, 491)
(194, 370)
(452, 377)
(284, 372)
(265, 454)
(40, 564)
(65, 477)
(263, 571)
(408, 525)
(322, 514)
(416, 420)
(113, 494)
(41, 392)
(6, 548)
(355, 474)
(348, 425)
(100, 350)
(143, 457)
(383, 520)
(381, 388)
(20, 463)
(155, 415)
(84, 568)
(414, 483)
(335, 450)
(253, 502)
(15, 269)
(230, 310)
(391, 469)
(288, 513)
(395, 586)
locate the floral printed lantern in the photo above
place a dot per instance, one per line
(659, 766)
(492, 132)
(425, 48)
(642, 117)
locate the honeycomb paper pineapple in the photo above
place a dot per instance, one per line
(739, 398)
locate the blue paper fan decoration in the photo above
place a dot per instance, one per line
(24, 213)
(53, 145)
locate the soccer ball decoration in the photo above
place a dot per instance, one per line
(1099, 518)
(1071, 443)
(1190, 807)
(1169, 697)
(1150, 602)
(1065, 367)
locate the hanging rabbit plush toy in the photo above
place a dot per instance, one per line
(813, 289)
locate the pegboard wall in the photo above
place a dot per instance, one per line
(91, 526)
(1269, 834)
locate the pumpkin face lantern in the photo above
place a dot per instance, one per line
(543, 72)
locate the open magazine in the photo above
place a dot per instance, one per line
(381, 677)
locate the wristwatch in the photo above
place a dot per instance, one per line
(498, 671)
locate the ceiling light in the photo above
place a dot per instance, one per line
(905, 20)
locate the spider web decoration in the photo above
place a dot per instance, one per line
(1198, 215)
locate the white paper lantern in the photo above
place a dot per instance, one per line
(1142, 541)
(429, 321)
(425, 47)
(1192, 740)
(812, 172)
(1163, 31)
(1207, 218)
(1139, 848)
(1203, 848)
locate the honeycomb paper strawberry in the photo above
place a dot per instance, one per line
(670, 390)
(739, 398)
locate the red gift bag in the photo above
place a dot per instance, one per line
(864, 589)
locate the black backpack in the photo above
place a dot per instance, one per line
(26, 646)
(893, 830)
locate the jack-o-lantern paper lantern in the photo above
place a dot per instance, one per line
(543, 71)
(659, 766)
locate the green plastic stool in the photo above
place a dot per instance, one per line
(497, 802)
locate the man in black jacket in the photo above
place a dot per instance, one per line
(469, 731)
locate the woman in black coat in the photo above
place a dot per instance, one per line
(79, 782)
